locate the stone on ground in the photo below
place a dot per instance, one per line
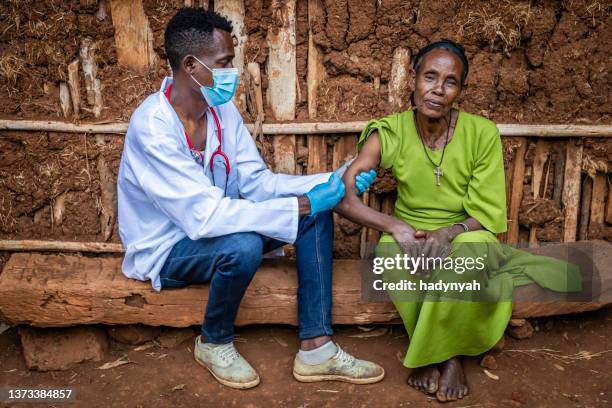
(133, 333)
(488, 361)
(171, 337)
(521, 332)
(62, 348)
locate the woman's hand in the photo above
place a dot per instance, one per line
(437, 242)
(405, 236)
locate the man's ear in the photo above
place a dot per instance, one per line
(188, 63)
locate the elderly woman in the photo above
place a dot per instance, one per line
(449, 170)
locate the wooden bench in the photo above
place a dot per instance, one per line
(60, 290)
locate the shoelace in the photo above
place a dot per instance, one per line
(228, 352)
(345, 357)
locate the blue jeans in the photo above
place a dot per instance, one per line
(229, 263)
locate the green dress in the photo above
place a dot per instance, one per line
(472, 185)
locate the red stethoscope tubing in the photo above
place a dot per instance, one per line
(218, 152)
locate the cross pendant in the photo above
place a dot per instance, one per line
(439, 173)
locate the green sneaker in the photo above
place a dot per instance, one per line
(226, 364)
(341, 367)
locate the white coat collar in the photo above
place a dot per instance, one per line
(162, 91)
(211, 142)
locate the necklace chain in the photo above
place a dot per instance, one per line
(416, 122)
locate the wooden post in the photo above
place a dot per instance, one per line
(517, 192)
(133, 35)
(255, 103)
(75, 86)
(316, 70)
(546, 178)
(317, 146)
(234, 11)
(571, 189)
(108, 193)
(282, 78)
(559, 175)
(388, 205)
(92, 83)
(585, 208)
(503, 237)
(101, 14)
(609, 209)
(541, 155)
(598, 200)
(64, 95)
(58, 208)
(344, 149)
(398, 83)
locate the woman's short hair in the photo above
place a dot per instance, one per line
(447, 45)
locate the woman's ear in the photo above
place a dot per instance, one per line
(411, 85)
(411, 79)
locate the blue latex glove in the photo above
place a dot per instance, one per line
(364, 180)
(325, 196)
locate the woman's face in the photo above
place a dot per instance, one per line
(437, 83)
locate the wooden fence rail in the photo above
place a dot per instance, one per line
(311, 128)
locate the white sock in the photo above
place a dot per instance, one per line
(318, 355)
(204, 346)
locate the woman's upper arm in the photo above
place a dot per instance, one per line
(368, 158)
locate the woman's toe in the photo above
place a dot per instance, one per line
(441, 394)
(432, 386)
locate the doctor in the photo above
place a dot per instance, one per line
(197, 204)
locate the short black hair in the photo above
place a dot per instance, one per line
(190, 31)
(447, 45)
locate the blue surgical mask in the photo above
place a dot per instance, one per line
(225, 82)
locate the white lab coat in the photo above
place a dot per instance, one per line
(164, 195)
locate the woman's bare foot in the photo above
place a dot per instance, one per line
(452, 383)
(425, 379)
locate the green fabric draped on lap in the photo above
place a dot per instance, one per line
(472, 186)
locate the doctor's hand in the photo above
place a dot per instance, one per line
(325, 196)
(364, 180)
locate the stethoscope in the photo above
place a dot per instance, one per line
(199, 157)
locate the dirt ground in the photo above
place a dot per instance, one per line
(526, 379)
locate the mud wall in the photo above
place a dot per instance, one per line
(531, 62)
